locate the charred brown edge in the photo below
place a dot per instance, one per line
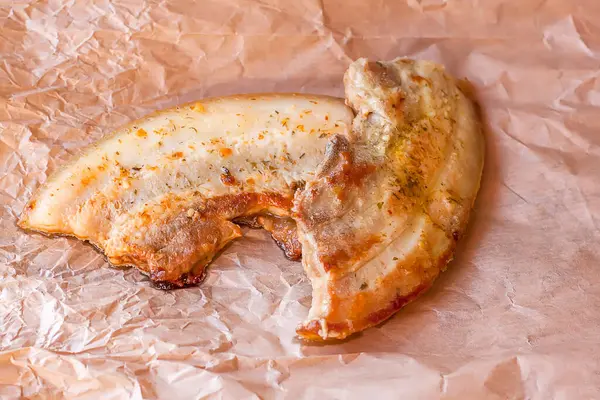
(311, 331)
(184, 281)
(252, 223)
(288, 254)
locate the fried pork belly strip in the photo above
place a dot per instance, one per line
(160, 194)
(382, 217)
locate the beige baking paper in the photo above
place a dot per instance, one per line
(517, 314)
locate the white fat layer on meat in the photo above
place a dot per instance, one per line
(265, 142)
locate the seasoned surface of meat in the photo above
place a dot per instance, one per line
(383, 215)
(160, 194)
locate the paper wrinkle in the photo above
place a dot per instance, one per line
(515, 315)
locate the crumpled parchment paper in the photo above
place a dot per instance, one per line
(517, 314)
